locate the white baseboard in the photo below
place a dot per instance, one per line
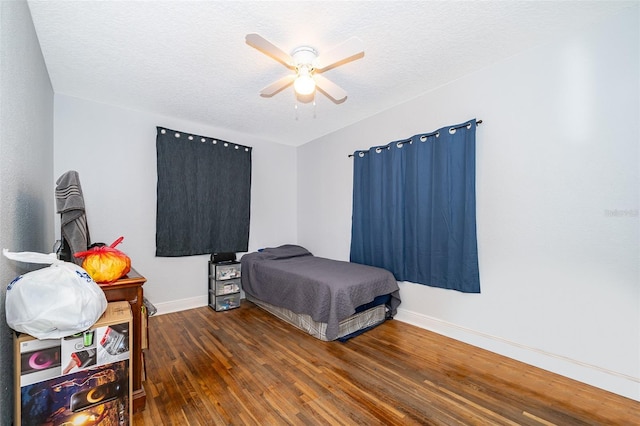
(602, 378)
(181, 305)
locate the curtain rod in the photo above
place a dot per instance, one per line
(454, 127)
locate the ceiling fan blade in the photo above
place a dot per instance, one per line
(268, 48)
(277, 86)
(346, 51)
(329, 88)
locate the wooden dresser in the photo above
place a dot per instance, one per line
(129, 288)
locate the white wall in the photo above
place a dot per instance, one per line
(26, 164)
(114, 151)
(557, 214)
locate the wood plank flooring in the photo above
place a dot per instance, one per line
(246, 367)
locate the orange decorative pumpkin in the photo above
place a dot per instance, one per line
(105, 264)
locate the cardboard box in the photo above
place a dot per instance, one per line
(79, 379)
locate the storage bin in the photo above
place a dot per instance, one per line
(224, 303)
(224, 285)
(227, 271)
(227, 286)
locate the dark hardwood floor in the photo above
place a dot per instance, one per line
(246, 367)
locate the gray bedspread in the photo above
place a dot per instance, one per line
(325, 289)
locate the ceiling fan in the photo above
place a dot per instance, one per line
(308, 66)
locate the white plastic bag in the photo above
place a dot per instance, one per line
(52, 302)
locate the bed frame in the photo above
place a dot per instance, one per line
(348, 327)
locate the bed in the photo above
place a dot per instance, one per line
(329, 299)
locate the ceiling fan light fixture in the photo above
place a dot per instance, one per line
(308, 66)
(304, 84)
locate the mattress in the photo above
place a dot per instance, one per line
(347, 327)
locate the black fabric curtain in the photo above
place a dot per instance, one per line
(203, 195)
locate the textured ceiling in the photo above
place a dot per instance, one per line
(189, 59)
